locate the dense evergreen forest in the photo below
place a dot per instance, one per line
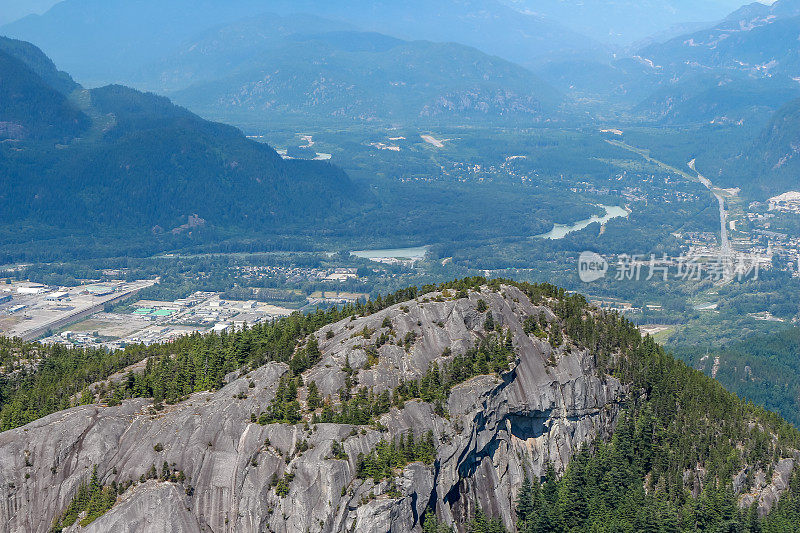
(30, 106)
(671, 465)
(764, 369)
(605, 492)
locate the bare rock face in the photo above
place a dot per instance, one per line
(152, 506)
(498, 428)
(767, 492)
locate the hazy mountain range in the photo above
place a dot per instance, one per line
(238, 64)
(740, 69)
(378, 60)
(758, 40)
(748, 63)
(103, 41)
(12, 10)
(270, 67)
(623, 22)
(616, 22)
(231, 61)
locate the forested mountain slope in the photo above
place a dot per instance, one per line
(33, 99)
(774, 158)
(764, 370)
(115, 161)
(39, 63)
(716, 97)
(422, 409)
(765, 164)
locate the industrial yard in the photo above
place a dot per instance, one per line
(108, 314)
(149, 321)
(30, 310)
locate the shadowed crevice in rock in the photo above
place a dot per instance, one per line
(530, 426)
